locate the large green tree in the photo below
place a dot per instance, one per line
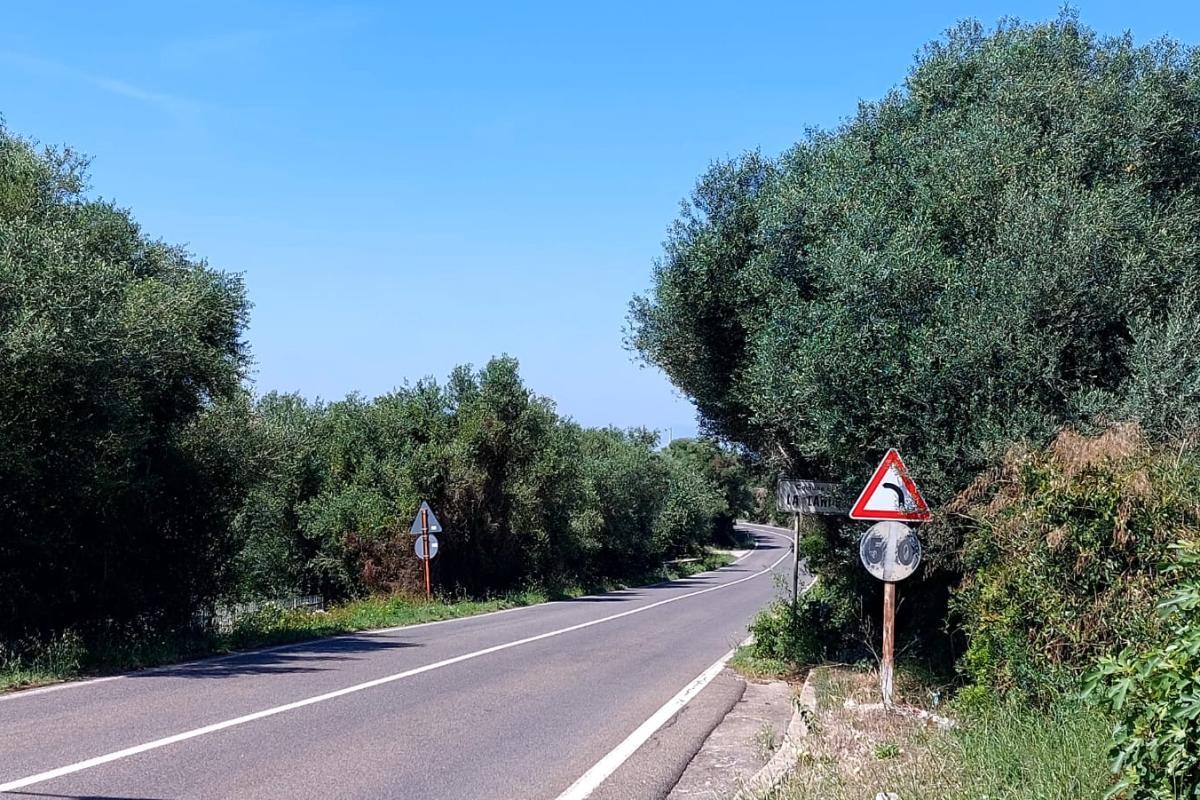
(120, 365)
(1005, 244)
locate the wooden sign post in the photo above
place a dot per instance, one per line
(887, 665)
(425, 558)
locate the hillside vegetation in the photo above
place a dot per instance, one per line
(141, 484)
(526, 497)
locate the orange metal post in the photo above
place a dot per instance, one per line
(425, 533)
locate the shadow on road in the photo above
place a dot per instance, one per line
(293, 659)
(697, 581)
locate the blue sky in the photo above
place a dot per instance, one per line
(407, 187)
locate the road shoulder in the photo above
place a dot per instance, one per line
(738, 748)
(655, 768)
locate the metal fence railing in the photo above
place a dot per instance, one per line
(224, 616)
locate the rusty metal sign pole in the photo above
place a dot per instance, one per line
(802, 496)
(425, 534)
(796, 567)
(889, 642)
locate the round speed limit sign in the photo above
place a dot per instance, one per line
(419, 546)
(890, 551)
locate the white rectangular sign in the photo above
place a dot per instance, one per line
(808, 497)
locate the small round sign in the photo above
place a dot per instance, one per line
(890, 551)
(419, 546)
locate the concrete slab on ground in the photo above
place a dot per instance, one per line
(740, 746)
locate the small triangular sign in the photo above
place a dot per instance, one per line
(891, 494)
(434, 525)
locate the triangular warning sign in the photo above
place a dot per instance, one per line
(891, 494)
(434, 525)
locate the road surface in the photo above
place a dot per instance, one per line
(518, 704)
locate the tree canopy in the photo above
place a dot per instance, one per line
(117, 480)
(1005, 244)
(526, 496)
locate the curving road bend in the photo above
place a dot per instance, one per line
(516, 705)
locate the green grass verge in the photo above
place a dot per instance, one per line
(67, 656)
(746, 663)
(1060, 753)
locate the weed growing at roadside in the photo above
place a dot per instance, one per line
(764, 741)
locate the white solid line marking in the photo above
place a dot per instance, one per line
(41, 777)
(309, 642)
(591, 780)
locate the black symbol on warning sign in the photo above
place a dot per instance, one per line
(899, 493)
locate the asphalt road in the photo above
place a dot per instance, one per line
(519, 704)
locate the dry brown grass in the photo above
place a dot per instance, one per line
(858, 754)
(856, 751)
(1074, 452)
(1071, 453)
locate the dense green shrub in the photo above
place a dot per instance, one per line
(275, 559)
(801, 637)
(525, 496)
(1064, 553)
(1155, 694)
(122, 424)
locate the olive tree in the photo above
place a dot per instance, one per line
(1003, 245)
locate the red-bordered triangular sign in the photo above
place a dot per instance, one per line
(891, 494)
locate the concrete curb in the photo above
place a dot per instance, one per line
(784, 759)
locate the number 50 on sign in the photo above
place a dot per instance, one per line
(890, 551)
